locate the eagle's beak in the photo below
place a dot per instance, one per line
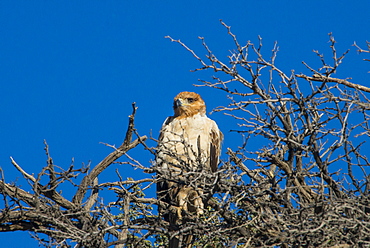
(179, 102)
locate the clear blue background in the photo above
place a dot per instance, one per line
(70, 70)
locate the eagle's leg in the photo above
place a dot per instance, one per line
(195, 203)
(179, 212)
(182, 201)
(198, 204)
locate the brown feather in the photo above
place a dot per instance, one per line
(215, 149)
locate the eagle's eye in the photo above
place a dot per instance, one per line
(190, 100)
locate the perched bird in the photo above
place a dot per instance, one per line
(189, 142)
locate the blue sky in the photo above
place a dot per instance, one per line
(71, 69)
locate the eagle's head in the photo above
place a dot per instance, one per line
(187, 104)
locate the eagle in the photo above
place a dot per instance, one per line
(189, 143)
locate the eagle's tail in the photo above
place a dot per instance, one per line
(181, 241)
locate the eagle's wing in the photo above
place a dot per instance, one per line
(215, 148)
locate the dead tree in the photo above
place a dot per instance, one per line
(300, 179)
(82, 220)
(299, 188)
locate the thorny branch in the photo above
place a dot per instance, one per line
(47, 211)
(306, 132)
